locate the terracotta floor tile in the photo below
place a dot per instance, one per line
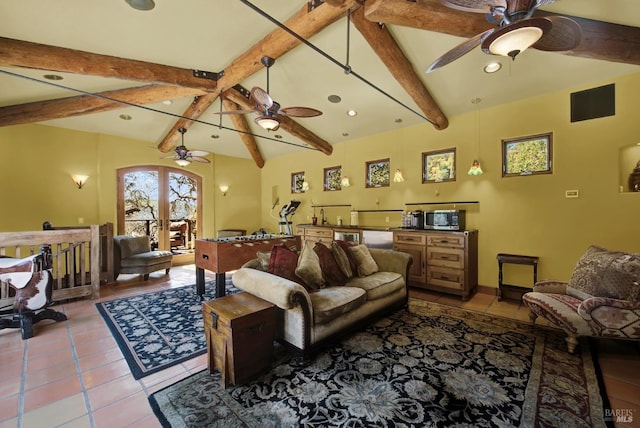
(51, 392)
(55, 413)
(100, 359)
(124, 413)
(9, 423)
(10, 385)
(36, 378)
(111, 392)
(41, 360)
(92, 346)
(104, 374)
(9, 407)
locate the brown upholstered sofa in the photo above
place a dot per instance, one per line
(602, 298)
(311, 318)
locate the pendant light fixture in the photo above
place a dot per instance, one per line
(475, 168)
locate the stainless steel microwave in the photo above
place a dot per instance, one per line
(444, 219)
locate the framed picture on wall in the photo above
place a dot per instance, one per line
(527, 155)
(332, 178)
(297, 182)
(439, 166)
(377, 173)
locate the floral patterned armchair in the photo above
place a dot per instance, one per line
(602, 298)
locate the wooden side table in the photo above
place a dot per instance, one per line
(520, 260)
(240, 329)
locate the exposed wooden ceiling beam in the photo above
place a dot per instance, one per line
(240, 123)
(601, 40)
(194, 111)
(39, 111)
(388, 50)
(286, 124)
(18, 53)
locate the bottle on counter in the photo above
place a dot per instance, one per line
(354, 218)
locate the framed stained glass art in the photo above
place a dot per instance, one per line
(297, 182)
(527, 155)
(439, 166)
(332, 178)
(377, 173)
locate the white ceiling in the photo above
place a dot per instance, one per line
(209, 34)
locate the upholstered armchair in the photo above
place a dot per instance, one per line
(133, 254)
(602, 298)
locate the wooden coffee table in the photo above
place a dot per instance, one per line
(240, 329)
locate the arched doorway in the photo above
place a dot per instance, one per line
(164, 203)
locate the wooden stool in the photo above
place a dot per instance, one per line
(240, 329)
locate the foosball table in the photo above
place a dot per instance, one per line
(221, 255)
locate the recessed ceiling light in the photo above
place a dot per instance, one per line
(52, 77)
(492, 67)
(352, 113)
(215, 136)
(167, 102)
(398, 120)
(125, 117)
(334, 98)
(345, 134)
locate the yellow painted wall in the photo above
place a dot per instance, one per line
(522, 215)
(35, 185)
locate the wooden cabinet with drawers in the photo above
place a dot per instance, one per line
(414, 244)
(442, 261)
(315, 234)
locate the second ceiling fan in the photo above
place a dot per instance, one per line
(267, 108)
(517, 30)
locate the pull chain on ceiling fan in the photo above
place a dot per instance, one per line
(517, 29)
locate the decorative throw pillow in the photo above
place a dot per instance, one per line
(366, 264)
(283, 263)
(308, 269)
(342, 259)
(263, 258)
(604, 273)
(345, 245)
(330, 270)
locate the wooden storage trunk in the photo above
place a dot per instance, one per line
(240, 330)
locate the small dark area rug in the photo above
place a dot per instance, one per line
(426, 366)
(158, 330)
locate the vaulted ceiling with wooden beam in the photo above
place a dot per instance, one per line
(182, 63)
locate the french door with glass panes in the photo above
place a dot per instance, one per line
(163, 203)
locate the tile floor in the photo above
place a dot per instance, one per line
(72, 374)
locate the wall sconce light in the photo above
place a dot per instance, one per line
(224, 188)
(79, 180)
(344, 182)
(305, 186)
(398, 177)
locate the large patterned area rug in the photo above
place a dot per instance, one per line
(426, 366)
(158, 330)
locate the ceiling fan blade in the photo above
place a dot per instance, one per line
(197, 153)
(476, 6)
(234, 112)
(199, 159)
(564, 35)
(261, 96)
(300, 111)
(460, 50)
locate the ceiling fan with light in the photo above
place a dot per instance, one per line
(267, 108)
(184, 156)
(517, 29)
